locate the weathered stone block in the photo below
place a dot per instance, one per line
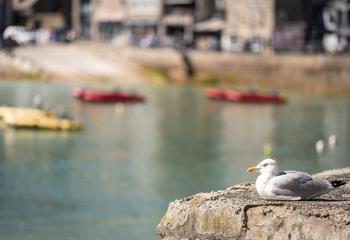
(239, 213)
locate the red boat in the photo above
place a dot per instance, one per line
(244, 96)
(215, 93)
(104, 96)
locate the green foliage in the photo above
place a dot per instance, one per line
(34, 76)
(156, 75)
(205, 78)
(267, 151)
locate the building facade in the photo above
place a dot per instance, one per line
(143, 20)
(230, 25)
(209, 25)
(336, 17)
(176, 26)
(113, 18)
(143, 12)
(5, 16)
(290, 24)
(249, 25)
(107, 18)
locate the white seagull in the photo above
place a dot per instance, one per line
(332, 141)
(319, 146)
(289, 185)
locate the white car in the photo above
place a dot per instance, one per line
(19, 34)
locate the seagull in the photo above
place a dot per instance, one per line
(319, 146)
(289, 185)
(332, 141)
(38, 101)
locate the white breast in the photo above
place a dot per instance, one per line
(262, 184)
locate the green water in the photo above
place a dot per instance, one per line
(114, 179)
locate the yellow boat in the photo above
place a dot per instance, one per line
(23, 111)
(36, 118)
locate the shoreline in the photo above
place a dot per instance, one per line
(15, 67)
(296, 72)
(306, 73)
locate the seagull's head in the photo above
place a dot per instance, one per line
(266, 166)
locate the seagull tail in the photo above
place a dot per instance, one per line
(337, 183)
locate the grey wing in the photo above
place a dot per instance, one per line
(298, 184)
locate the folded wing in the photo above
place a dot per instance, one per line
(298, 184)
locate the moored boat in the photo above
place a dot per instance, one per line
(106, 96)
(36, 118)
(215, 93)
(245, 96)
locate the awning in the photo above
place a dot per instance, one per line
(178, 20)
(141, 22)
(211, 25)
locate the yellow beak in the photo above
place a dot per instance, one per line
(252, 169)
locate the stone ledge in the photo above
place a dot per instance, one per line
(239, 213)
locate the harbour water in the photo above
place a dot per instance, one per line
(115, 178)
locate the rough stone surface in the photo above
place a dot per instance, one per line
(239, 213)
(79, 63)
(14, 67)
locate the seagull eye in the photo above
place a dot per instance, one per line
(265, 165)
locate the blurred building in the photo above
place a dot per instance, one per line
(290, 24)
(299, 25)
(55, 16)
(176, 26)
(5, 16)
(210, 22)
(85, 18)
(50, 14)
(46, 13)
(230, 25)
(144, 14)
(112, 18)
(336, 22)
(143, 21)
(312, 26)
(249, 25)
(107, 18)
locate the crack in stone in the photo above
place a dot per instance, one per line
(244, 216)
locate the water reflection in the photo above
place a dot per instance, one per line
(15, 144)
(115, 178)
(306, 121)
